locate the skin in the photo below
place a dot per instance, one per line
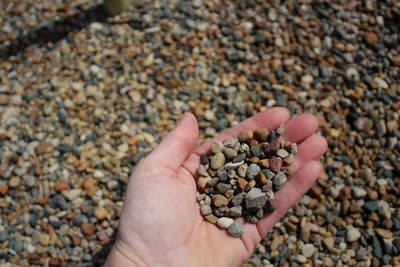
(161, 225)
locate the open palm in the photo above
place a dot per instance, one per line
(161, 225)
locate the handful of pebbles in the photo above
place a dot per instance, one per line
(241, 175)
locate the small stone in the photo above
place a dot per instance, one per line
(282, 153)
(3, 188)
(279, 180)
(73, 194)
(384, 233)
(379, 83)
(223, 187)
(230, 153)
(219, 201)
(217, 147)
(202, 170)
(14, 182)
(237, 199)
(262, 179)
(268, 173)
(88, 228)
(307, 250)
(205, 209)
(359, 192)
(44, 239)
(60, 186)
(252, 171)
(293, 148)
(261, 134)
(301, 259)
(352, 234)
(235, 212)
(328, 242)
(217, 161)
(222, 174)
(4, 99)
(239, 158)
(232, 166)
(231, 142)
(211, 218)
(281, 129)
(242, 183)
(43, 148)
(371, 38)
(224, 222)
(203, 183)
(245, 136)
(231, 174)
(275, 164)
(235, 230)
(100, 213)
(288, 160)
(242, 170)
(269, 206)
(250, 185)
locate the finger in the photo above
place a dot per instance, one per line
(291, 192)
(299, 128)
(177, 145)
(310, 149)
(270, 118)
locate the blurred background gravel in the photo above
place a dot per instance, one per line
(84, 97)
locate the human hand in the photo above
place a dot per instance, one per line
(161, 225)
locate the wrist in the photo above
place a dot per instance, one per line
(121, 256)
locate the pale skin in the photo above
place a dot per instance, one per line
(161, 225)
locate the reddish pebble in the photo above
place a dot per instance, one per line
(275, 164)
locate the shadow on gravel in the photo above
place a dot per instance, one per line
(54, 31)
(100, 257)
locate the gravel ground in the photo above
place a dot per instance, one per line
(84, 97)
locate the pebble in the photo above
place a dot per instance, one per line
(88, 228)
(307, 250)
(217, 147)
(219, 201)
(279, 180)
(224, 222)
(282, 153)
(201, 170)
(252, 171)
(245, 136)
(352, 234)
(230, 153)
(235, 230)
(261, 134)
(205, 209)
(359, 192)
(217, 161)
(14, 182)
(275, 164)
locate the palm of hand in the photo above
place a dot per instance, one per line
(161, 224)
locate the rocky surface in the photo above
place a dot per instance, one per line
(83, 98)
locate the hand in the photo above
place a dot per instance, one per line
(161, 225)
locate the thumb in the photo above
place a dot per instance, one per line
(178, 144)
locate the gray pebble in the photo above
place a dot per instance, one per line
(281, 129)
(231, 142)
(222, 188)
(279, 180)
(282, 153)
(222, 174)
(242, 170)
(201, 170)
(237, 199)
(235, 230)
(252, 171)
(205, 209)
(235, 212)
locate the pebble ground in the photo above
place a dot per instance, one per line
(84, 97)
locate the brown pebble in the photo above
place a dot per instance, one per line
(371, 38)
(264, 163)
(261, 134)
(250, 185)
(88, 228)
(217, 161)
(242, 183)
(203, 183)
(219, 200)
(211, 218)
(245, 136)
(3, 189)
(262, 179)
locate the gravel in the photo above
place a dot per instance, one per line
(78, 101)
